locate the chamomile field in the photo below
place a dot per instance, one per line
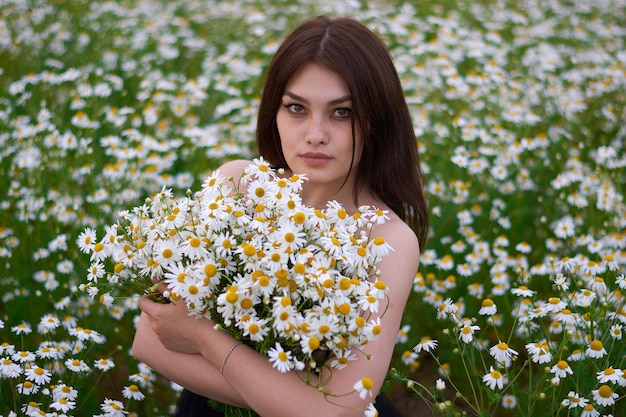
(519, 108)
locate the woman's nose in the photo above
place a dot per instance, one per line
(316, 132)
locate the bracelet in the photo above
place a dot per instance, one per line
(228, 354)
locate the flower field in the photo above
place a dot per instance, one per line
(519, 108)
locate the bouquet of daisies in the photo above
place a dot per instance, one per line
(296, 283)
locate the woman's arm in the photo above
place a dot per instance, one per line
(187, 369)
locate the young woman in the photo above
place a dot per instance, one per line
(333, 109)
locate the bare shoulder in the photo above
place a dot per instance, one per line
(405, 246)
(234, 168)
(396, 232)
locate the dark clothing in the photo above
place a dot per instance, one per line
(194, 405)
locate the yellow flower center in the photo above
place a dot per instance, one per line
(314, 343)
(368, 383)
(232, 297)
(596, 345)
(299, 217)
(605, 391)
(210, 270)
(487, 302)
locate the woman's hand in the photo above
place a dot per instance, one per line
(174, 327)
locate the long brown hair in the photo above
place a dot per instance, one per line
(390, 163)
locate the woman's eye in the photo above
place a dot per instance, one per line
(294, 108)
(343, 112)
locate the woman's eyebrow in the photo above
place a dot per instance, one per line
(330, 103)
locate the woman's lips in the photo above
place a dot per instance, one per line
(315, 158)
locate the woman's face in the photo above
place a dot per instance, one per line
(315, 126)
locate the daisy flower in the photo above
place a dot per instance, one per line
(23, 356)
(589, 411)
(63, 405)
(584, 298)
(280, 359)
(598, 285)
(426, 344)
(83, 334)
(554, 304)
(371, 411)
(409, 357)
(48, 323)
(379, 247)
(446, 308)
(27, 388)
(466, 334)
(167, 253)
(576, 355)
(64, 391)
(566, 316)
(194, 248)
(256, 329)
(444, 370)
(604, 396)
(403, 334)
(494, 379)
(364, 387)
(561, 282)
(488, 308)
(522, 291)
(342, 358)
(7, 349)
(103, 364)
(10, 369)
(106, 300)
(592, 268)
(621, 281)
(595, 349)
(610, 375)
(561, 369)
(76, 365)
(502, 352)
(87, 240)
(132, 392)
(540, 352)
(22, 329)
(113, 408)
(616, 331)
(38, 375)
(574, 400)
(509, 401)
(260, 169)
